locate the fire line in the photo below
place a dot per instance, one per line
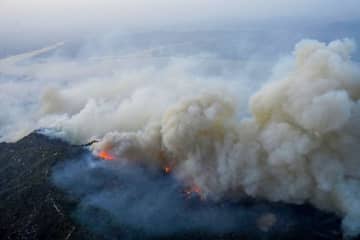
(105, 155)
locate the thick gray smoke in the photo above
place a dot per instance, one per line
(298, 143)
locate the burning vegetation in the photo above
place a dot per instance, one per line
(167, 170)
(194, 190)
(105, 155)
(189, 191)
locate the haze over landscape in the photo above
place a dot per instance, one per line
(238, 98)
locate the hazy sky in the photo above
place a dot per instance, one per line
(24, 21)
(62, 15)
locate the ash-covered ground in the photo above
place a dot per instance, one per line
(33, 208)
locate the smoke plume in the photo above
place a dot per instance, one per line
(296, 142)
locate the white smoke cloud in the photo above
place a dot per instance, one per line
(299, 144)
(294, 149)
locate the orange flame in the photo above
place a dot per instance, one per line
(194, 189)
(105, 155)
(167, 170)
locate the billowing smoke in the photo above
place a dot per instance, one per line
(297, 142)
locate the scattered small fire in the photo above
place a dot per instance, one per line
(105, 155)
(190, 191)
(167, 170)
(194, 189)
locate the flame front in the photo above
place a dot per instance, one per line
(105, 155)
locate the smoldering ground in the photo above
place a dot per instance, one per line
(134, 198)
(118, 199)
